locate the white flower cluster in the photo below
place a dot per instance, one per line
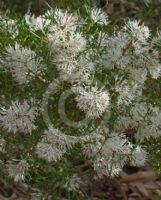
(93, 143)
(139, 157)
(93, 102)
(36, 23)
(7, 24)
(127, 92)
(18, 171)
(98, 16)
(2, 144)
(54, 145)
(144, 119)
(66, 44)
(20, 117)
(112, 156)
(23, 62)
(138, 31)
(73, 183)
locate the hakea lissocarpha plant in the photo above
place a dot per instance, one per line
(59, 56)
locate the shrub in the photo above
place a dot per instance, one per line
(68, 82)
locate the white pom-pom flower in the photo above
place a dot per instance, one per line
(64, 45)
(139, 157)
(76, 69)
(138, 31)
(20, 117)
(18, 171)
(2, 144)
(93, 102)
(98, 16)
(113, 155)
(24, 63)
(54, 145)
(65, 21)
(36, 23)
(74, 183)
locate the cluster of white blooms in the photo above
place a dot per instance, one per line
(150, 127)
(138, 31)
(139, 157)
(144, 119)
(98, 16)
(73, 183)
(23, 62)
(7, 24)
(17, 171)
(63, 38)
(66, 44)
(129, 48)
(115, 49)
(113, 154)
(93, 102)
(36, 23)
(20, 117)
(2, 144)
(126, 92)
(76, 70)
(93, 143)
(54, 145)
